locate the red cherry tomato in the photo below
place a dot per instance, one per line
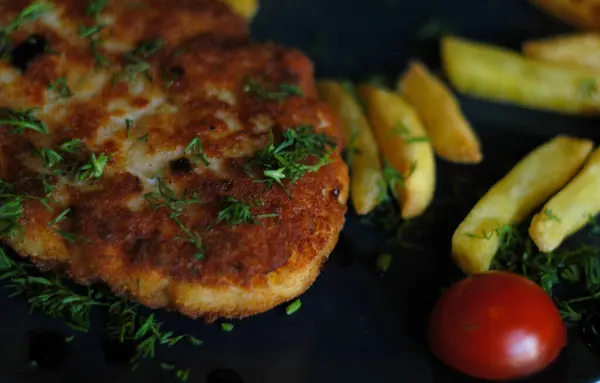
(496, 325)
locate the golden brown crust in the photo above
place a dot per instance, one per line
(122, 240)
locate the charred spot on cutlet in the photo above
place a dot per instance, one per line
(24, 53)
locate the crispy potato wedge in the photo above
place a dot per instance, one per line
(582, 13)
(532, 181)
(579, 50)
(451, 135)
(570, 209)
(367, 181)
(405, 146)
(498, 74)
(245, 8)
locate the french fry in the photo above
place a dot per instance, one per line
(244, 8)
(405, 146)
(451, 135)
(580, 50)
(363, 155)
(570, 209)
(532, 181)
(498, 74)
(583, 14)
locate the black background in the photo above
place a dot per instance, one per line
(354, 326)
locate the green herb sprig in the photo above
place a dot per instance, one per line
(183, 374)
(94, 168)
(126, 324)
(166, 197)
(28, 15)
(195, 150)
(22, 120)
(271, 92)
(393, 178)
(95, 8)
(578, 267)
(47, 293)
(286, 160)
(135, 61)
(60, 86)
(234, 212)
(59, 298)
(147, 48)
(12, 208)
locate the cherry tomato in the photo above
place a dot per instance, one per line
(496, 325)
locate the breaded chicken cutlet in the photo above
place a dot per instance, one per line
(153, 147)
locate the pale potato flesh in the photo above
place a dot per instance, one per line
(570, 210)
(405, 146)
(451, 135)
(495, 73)
(532, 181)
(579, 50)
(366, 184)
(581, 13)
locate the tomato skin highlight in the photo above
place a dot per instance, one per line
(496, 326)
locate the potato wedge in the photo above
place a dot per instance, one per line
(451, 135)
(583, 13)
(244, 8)
(580, 50)
(532, 181)
(366, 180)
(570, 209)
(498, 74)
(405, 146)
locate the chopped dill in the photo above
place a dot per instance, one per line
(234, 212)
(60, 86)
(271, 92)
(286, 160)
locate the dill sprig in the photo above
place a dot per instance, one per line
(47, 293)
(85, 31)
(126, 324)
(71, 146)
(271, 92)
(180, 373)
(393, 178)
(135, 62)
(403, 131)
(12, 208)
(550, 215)
(577, 267)
(60, 86)
(50, 157)
(58, 298)
(59, 218)
(133, 67)
(195, 150)
(92, 33)
(94, 168)
(11, 211)
(21, 120)
(95, 8)
(167, 198)
(286, 160)
(28, 15)
(234, 212)
(147, 48)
